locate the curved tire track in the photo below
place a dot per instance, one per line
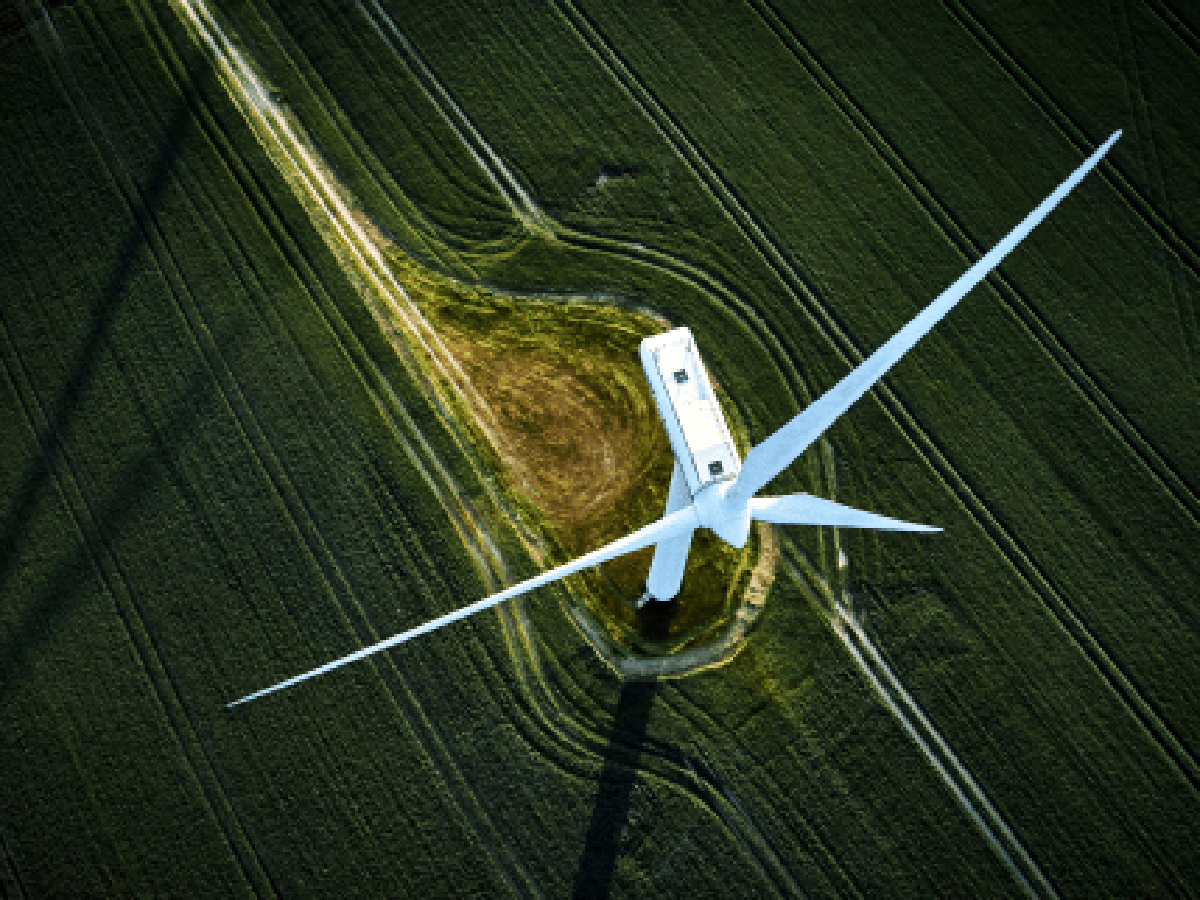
(565, 731)
(571, 745)
(522, 206)
(559, 722)
(1027, 871)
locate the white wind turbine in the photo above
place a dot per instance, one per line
(710, 488)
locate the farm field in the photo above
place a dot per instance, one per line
(236, 279)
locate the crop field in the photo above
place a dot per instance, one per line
(318, 319)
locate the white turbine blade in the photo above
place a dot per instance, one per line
(670, 556)
(667, 568)
(805, 509)
(776, 453)
(683, 521)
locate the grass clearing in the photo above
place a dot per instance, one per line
(580, 438)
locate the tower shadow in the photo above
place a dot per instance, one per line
(611, 811)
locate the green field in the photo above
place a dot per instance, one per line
(225, 461)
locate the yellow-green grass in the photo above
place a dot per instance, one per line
(869, 249)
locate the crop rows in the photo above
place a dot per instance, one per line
(447, 768)
(94, 530)
(222, 370)
(452, 114)
(344, 759)
(885, 683)
(971, 251)
(582, 743)
(525, 209)
(1020, 557)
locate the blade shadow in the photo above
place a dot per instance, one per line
(51, 443)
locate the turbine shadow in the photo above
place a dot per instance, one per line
(654, 619)
(611, 811)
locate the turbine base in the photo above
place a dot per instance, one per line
(654, 619)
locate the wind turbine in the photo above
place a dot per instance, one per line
(710, 486)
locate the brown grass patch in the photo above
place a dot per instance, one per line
(581, 439)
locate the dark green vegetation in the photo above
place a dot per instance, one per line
(200, 495)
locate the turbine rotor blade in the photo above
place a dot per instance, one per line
(805, 509)
(677, 523)
(670, 556)
(777, 452)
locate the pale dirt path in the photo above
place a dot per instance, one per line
(966, 790)
(525, 209)
(325, 200)
(359, 247)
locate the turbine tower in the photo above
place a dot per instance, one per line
(710, 487)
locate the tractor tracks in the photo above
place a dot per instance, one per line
(1007, 845)
(1175, 22)
(1129, 45)
(1144, 209)
(525, 209)
(568, 739)
(966, 790)
(1020, 560)
(545, 723)
(563, 736)
(506, 183)
(1073, 132)
(163, 680)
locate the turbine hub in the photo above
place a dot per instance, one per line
(721, 511)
